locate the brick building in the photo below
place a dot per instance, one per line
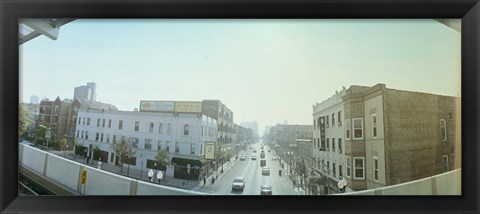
(393, 136)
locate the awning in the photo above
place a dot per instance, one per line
(185, 162)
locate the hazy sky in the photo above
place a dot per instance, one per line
(263, 70)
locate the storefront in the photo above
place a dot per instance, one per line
(189, 169)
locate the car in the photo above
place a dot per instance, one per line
(254, 157)
(266, 190)
(238, 184)
(265, 171)
(243, 157)
(254, 151)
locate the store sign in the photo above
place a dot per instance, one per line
(209, 150)
(157, 106)
(188, 107)
(322, 133)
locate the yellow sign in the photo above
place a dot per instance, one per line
(84, 177)
(188, 106)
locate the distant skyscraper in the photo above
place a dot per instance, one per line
(87, 92)
(34, 99)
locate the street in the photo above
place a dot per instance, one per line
(252, 172)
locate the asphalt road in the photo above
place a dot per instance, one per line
(252, 172)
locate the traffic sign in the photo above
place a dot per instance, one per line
(84, 176)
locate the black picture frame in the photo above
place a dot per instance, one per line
(12, 10)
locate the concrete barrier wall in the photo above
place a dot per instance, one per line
(63, 171)
(145, 188)
(418, 187)
(450, 184)
(100, 182)
(33, 158)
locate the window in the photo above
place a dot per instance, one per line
(333, 119)
(340, 145)
(120, 124)
(328, 167)
(314, 125)
(88, 121)
(56, 109)
(98, 122)
(334, 168)
(83, 134)
(358, 170)
(114, 139)
(202, 132)
(339, 118)
(185, 129)
(109, 123)
(348, 168)
(150, 129)
(78, 133)
(443, 129)
(83, 121)
(328, 144)
(167, 147)
(201, 149)
(333, 144)
(159, 145)
(192, 148)
(340, 172)
(445, 163)
(375, 168)
(103, 123)
(97, 135)
(160, 128)
(79, 119)
(135, 142)
(101, 137)
(137, 125)
(177, 147)
(148, 144)
(357, 128)
(86, 135)
(108, 138)
(374, 125)
(327, 121)
(347, 129)
(169, 128)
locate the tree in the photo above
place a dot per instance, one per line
(162, 159)
(123, 151)
(23, 120)
(96, 153)
(62, 142)
(40, 132)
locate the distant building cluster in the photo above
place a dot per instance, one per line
(373, 137)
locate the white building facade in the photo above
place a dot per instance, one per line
(183, 135)
(329, 141)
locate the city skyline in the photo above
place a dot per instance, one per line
(263, 70)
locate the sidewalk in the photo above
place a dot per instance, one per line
(226, 167)
(298, 190)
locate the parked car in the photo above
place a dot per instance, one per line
(243, 157)
(254, 157)
(238, 184)
(265, 171)
(266, 190)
